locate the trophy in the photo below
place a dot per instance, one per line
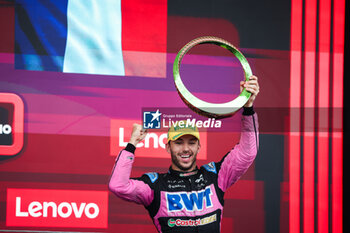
(211, 110)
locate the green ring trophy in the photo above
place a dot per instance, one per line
(211, 110)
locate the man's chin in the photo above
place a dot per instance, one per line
(186, 167)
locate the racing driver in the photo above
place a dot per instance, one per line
(188, 198)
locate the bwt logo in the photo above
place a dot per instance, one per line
(152, 120)
(57, 208)
(153, 145)
(193, 201)
(11, 124)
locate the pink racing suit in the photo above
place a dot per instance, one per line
(187, 201)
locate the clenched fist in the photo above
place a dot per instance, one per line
(138, 134)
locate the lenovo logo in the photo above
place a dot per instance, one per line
(63, 210)
(57, 208)
(154, 144)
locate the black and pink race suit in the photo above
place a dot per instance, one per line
(187, 201)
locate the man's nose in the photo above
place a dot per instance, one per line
(186, 147)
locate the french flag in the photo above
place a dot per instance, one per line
(107, 37)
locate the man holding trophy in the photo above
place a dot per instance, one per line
(188, 198)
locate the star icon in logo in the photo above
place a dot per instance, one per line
(156, 115)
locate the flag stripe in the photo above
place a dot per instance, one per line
(144, 25)
(93, 41)
(40, 34)
(144, 37)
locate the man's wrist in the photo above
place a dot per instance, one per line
(247, 111)
(130, 148)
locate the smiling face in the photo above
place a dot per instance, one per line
(184, 152)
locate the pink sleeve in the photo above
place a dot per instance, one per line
(238, 160)
(128, 189)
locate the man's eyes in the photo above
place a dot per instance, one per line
(181, 142)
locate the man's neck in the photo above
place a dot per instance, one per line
(175, 168)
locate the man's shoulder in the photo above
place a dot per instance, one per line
(152, 178)
(211, 167)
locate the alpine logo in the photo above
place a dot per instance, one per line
(57, 208)
(210, 167)
(189, 201)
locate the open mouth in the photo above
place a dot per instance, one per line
(185, 157)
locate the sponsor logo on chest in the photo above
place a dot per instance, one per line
(191, 222)
(189, 201)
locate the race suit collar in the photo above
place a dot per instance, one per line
(183, 174)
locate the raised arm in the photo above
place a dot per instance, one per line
(120, 183)
(239, 159)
